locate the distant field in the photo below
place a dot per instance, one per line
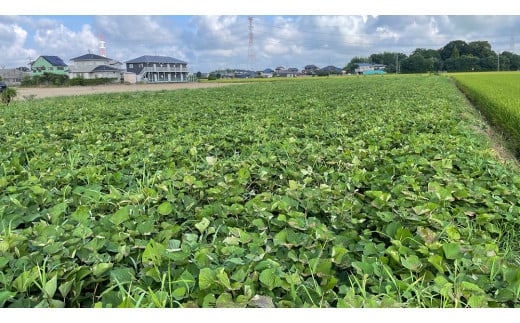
(497, 95)
(330, 192)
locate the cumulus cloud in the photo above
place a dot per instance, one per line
(210, 42)
(13, 46)
(140, 30)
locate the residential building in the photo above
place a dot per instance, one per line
(267, 73)
(368, 69)
(49, 64)
(310, 69)
(13, 75)
(156, 69)
(282, 72)
(92, 66)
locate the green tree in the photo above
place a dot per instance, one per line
(417, 64)
(513, 60)
(480, 49)
(449, 51)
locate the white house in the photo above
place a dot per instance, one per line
(91, 66)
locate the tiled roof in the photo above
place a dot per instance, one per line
(105, 68)
(155, 59)
(88, 57)
(54, 60)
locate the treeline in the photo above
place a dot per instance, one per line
(456, 56)
(50, 79)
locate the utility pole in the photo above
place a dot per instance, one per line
(396, 63)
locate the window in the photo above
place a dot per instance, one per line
(60, 68)
(130, 65)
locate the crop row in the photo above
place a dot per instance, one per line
(497, 95)
(328, 193)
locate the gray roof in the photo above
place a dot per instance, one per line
(54, 60)
(89, 57)
(105, 68)
(155, 59)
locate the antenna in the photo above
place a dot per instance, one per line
(251, 48)
(102, 49)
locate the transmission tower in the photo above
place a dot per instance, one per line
(251, 49)
(102, 49)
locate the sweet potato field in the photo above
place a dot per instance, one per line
(341, 192)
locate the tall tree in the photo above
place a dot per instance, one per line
(448, 51)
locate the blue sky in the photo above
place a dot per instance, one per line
(212, 35)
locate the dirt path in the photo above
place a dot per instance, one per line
(38, 93)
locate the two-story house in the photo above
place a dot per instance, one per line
(156, 69)
(92, 66)
(49, 64)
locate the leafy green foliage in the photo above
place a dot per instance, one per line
(347, 192)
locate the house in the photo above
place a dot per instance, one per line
(310, 69)
(267, 73)
(14, 75)
(369, 69)
(49, 64)
(158, 69)
(92, 66)
(244, 74)
(290, 72)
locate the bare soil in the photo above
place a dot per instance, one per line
(44, 92)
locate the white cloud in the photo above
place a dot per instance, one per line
(13, 46)
(208, 42)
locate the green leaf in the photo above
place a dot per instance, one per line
(179, 293)
(101, 268)
(37, 189)
(225, 300)
(436, 261)
(65, 288)
(206, 278)
(269, 278)
(452, 251)
(425, 208)
(411, 262)
(478, 301)
(51, 286)
(223, 278)
(122, 275)
(121, 215)
(153, 253)
(202, 225)
(82, 214)
(363, 267)
(452, 232)
(165, 208)
(57, 210)
(243, 173)
(6, 295)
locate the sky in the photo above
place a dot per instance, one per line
(212, 35)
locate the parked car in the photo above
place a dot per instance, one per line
(3, 86)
